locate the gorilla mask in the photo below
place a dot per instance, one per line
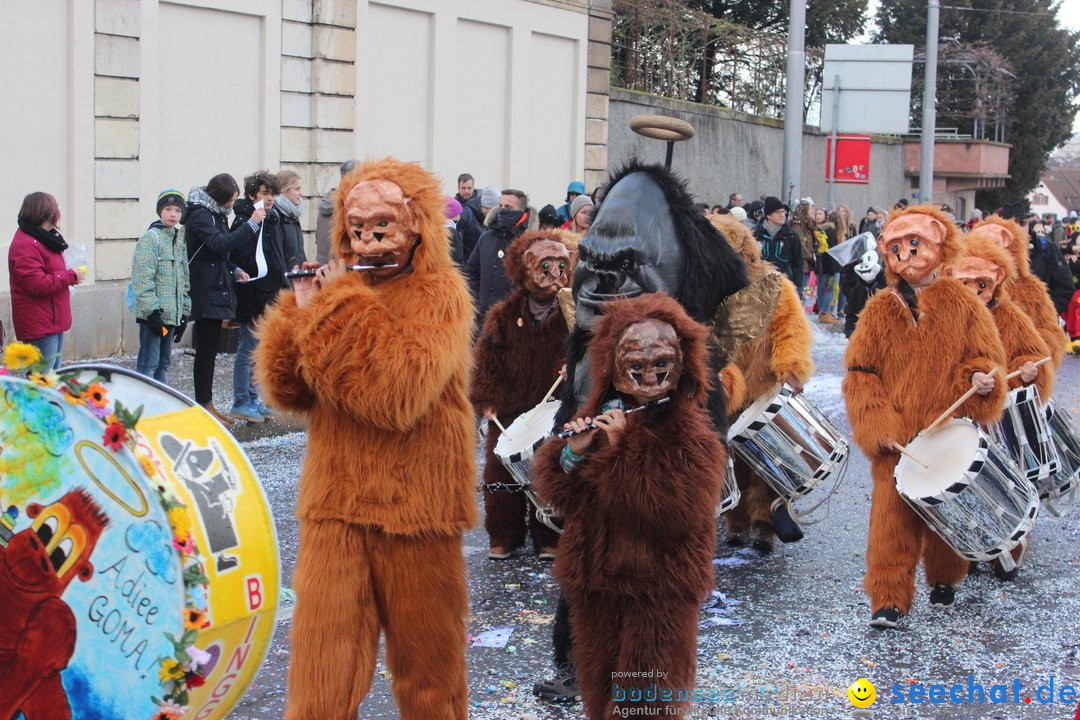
(631, 248)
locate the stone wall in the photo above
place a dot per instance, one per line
(733, 151)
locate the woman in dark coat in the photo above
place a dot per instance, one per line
(213, 297)
(290, 206)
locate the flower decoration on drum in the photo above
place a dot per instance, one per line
(23, 355)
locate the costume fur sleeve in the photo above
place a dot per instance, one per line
(489, 384)
(734, 384)
(791, 336)
(870, 409)
(277, 357)
(1023, 344)
(1030, 293)
(982, 346)
(377, 355)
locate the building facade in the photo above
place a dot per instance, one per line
(132, 96)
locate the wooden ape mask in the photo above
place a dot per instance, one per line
(648, 361)
(382, 228)
(547, 269)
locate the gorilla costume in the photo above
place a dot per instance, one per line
(647, 236)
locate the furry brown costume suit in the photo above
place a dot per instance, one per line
(910, 357)
(635, 560)
(515, 362)
(1026, 290)
(779, 352)
(379, 370)
(1019, 337)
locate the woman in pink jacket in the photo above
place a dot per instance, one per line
(40, 300)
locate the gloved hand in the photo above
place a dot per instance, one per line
(153, 320)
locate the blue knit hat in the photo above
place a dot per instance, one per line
(169, 197)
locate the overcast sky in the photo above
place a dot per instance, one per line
(1069, 15)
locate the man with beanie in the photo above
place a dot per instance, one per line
(779, 243)
(474, 212)
(573, 190)
(549, 218)
(325, 221)
(160, 281)
(484, 270)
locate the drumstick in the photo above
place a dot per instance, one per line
(951, 408)
(550, 392)
(498, 424)
(1037, 363)
(904, 451)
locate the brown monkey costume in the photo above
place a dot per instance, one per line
(919, 346)
(635, 559)
(517, 358)
(1025, 289)
(377, 361)
(770, 354)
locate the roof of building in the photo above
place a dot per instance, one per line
(1064, 184)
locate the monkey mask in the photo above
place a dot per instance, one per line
(648, 361)
(382, 228)
(980, 276)
(912, 246)
(547, 269)
(1000, 235)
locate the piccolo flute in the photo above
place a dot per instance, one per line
(310, 272)
(592, 426)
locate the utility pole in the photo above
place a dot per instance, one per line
(929, 105)
(791, 187)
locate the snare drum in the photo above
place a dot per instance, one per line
(788, 443)
(973, 494)
(517, 446)
(73, 489)
(1023, 431)
(1065, 480)
(729, 495)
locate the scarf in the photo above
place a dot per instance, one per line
(198, 196)
(286, 206)
(540, 311)
(51, 239)
(907, 293)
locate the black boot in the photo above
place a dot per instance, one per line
(785, 526)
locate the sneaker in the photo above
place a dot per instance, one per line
(498, 552)
(263, 410)
(563, 688)
(547, 553)
(942, 596)
(827, 319)
(248, 412)
(886, 619)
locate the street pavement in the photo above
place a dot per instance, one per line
(783, 635)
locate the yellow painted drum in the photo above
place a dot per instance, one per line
(138, 570)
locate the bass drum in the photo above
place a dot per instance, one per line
(142, 563)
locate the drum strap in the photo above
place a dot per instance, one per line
(861, 369)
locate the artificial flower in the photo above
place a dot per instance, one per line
(70, 397)
(194, 680)
(43, 379)
(95, 395)
(180, 521)
(97, 412)
(18, 355)
(111, 418)
(199, 658)
(168, 710)
(194, 619)
(170, 670)
(148, 466)
(184, 544)
(115, 436)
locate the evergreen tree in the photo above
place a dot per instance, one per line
(1044, 57)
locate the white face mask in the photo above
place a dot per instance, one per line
(869, 266)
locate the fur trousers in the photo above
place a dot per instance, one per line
(616, 634)
(898, 538)
(353, 581)
(507, 515)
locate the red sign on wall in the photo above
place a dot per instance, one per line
(852, 159)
